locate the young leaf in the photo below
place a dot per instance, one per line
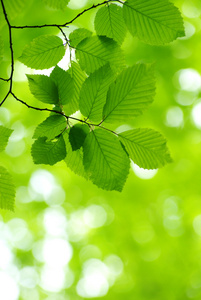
(78, 35)
(94, 91)
(109, 21)
(105, 161)
(77, 135)
(52, 127)
(146, 147)
(74, 159)
(43, 52)
(14, 7)
(78, 77)
(154, 22)
(64, 85)
(48, 152)
(43, 88)
(57, 4)
(95, 52)
(130, 94)
(4, 136)
(7, 190)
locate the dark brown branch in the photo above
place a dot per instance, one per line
(69, 22)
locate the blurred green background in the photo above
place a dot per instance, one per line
(69, 240)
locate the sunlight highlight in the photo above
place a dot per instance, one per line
(143, 173)
(196, 115)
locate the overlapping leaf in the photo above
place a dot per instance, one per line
(52, 127)
(78, 77)
(94, 91)
(58, 4)
(43, 52)
(48, 152)
(43, 88)
(94, 52)
(64, 85)
(154, 22)
(109, 21)
(146, 147)
(105, 161)
(77, 135)
(78, 35)
(4, 136)
(130, 94)
(74, 159)
(7, 190)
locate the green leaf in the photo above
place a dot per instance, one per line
(74, 159)
(7, 190)
(43, 88)
(43, 52)
(146, 147)
(48, 152)
(52, 127)
(95, 52)
(64, 85)
(109, 21)
(105, 161)
(14, 7)
(4, 136)
(77, 135)
(78, 77)
(78, 35)
(130, 94)
(94, 91)
(154, 22)
(57, 4)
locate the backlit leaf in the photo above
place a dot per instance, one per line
(64, 85)
(53, 126)
(105, 161)
(48, 152)
(155, 22)
(94, 52)
(109, 22)
(7, 190)
(77, 135)
(43, 88)
(4, 136)
(58, 4)
(130, 94)
(146, 147)
(94, 91)
(43, 52)
(78, 35)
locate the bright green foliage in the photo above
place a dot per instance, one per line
(14, 7)
(43, 52)
(58, 4)
(79, 35)
(154, 22)
(7, 190)
(105, 161)
(64, 84)
(95, 52)
(4, 136)
(77, 135)
(52, 127)
(100, 86)
(94, 91)
(48, 152)
(78, 77)
(43, 88)
(1, 48)
(109, 22)
(146, 147)
(74, 159)
(130, 94)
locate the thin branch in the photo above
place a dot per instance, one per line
(69, 22)
(11, 53)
